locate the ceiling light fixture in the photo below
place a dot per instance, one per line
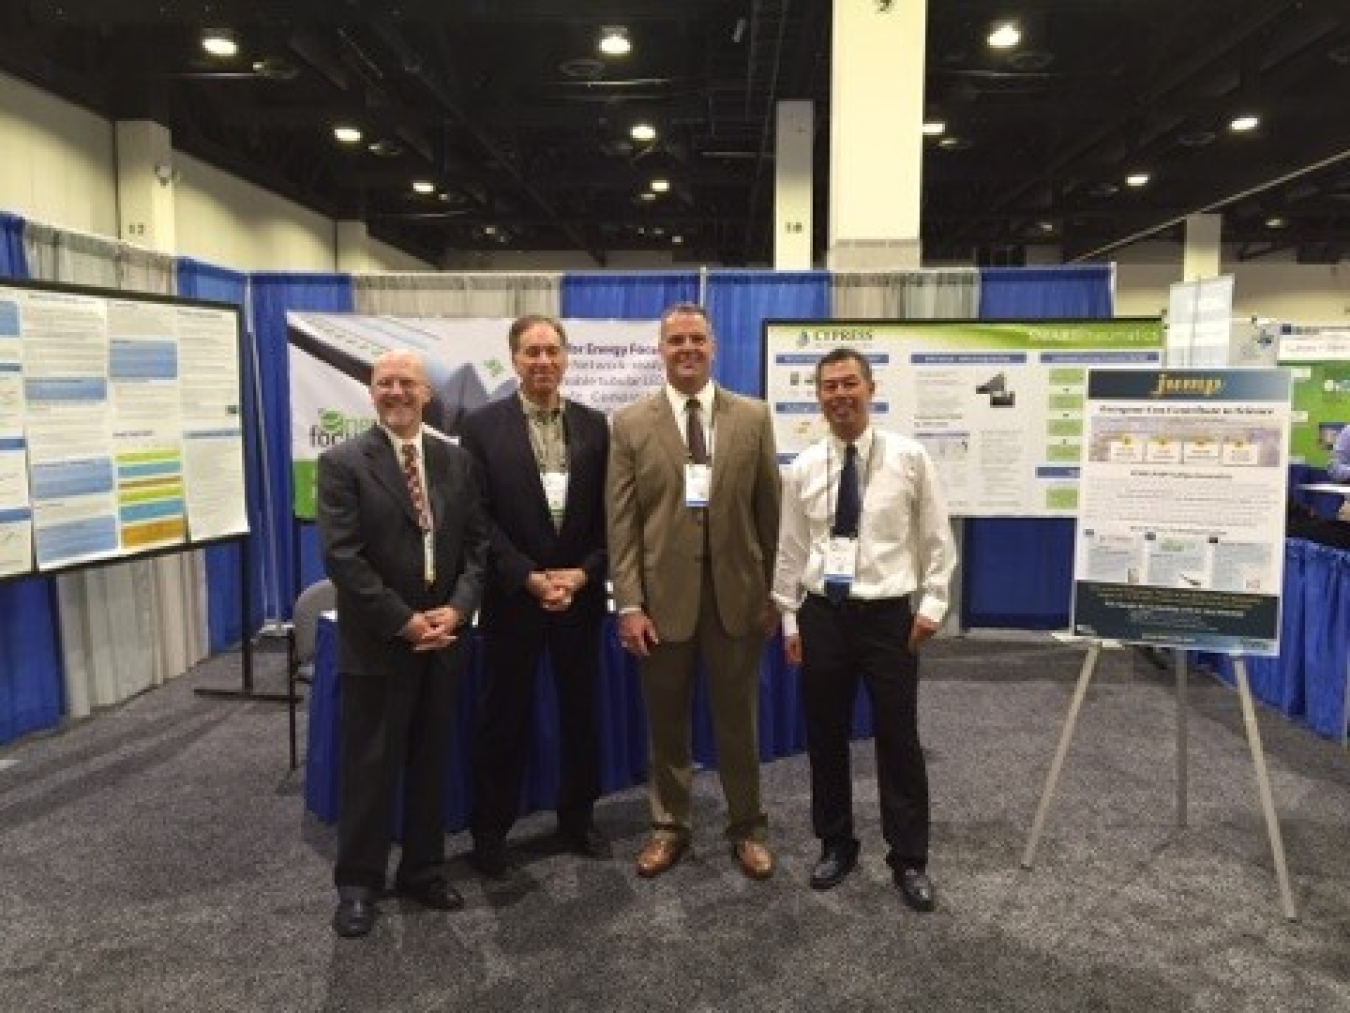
(423, 186)
(614, 41)
(677, 240)
(1004, 36)
(1137, 179)
(646, 196)
(660, 185)
(1244, 123)
(934, 128)
(220, 42)
(347, 134)
(642, 132)
(1276, 222)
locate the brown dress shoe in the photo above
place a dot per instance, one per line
(755, 858)
(658, 855)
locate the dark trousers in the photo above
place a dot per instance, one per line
(395, 732)
(506, 717)
(842, 643)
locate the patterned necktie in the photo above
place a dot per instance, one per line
(698, 443)
(419, 500)
(847, 515)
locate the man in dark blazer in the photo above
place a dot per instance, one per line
(693, 525)
(405, 544)
(540, 461)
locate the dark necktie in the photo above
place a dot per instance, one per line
(419, 500)
(698, 443)
(847, 514)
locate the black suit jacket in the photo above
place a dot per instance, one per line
(372, 545)
(523, 535)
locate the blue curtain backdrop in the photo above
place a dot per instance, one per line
(740, 301)
(274, 293)
(1017, 571)
(31, 694)
(224, 572)
(625, 296)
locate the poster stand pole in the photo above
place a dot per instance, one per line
(1253, 742)
(246, 690)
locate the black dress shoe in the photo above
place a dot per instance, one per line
(355, 914)
(587, 842)
(836, 862)
(491, 860)
(434, 893)
(916, 888)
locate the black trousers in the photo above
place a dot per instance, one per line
(512, 653)
(842, 643)
(395, 732)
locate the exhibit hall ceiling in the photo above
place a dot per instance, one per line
(1104, 122)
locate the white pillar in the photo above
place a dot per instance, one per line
(1203, 251)
(793, 183)
(351, 241)
(146, 177)
(876, 134)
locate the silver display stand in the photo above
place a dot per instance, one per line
(1253, 743)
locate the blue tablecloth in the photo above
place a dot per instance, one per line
(1307, 681)
(623, 723)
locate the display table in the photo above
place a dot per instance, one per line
(623, 746)
(1308, 681)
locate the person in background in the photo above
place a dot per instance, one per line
(540, 460)
(693, 518)
(405, 545)
(864, 526)
(1338, 467)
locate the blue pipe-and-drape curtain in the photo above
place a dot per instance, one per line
(224, 571)
(31, 678)
(1018, 571)
(637, 296)
(740, 301)
(297, 559)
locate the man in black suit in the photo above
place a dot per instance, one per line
(540, 460)
(405, 544)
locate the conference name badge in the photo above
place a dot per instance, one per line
(841, 560)
(555, 491)
(697, 484)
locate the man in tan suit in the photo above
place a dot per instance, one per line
(693, 524)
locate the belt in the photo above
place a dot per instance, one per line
(861, 605)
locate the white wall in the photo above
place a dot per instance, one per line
(57, 160)
(59, 167)
(1276, 288)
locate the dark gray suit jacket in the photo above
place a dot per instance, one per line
(372, 545)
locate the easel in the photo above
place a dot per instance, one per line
(1253, 742)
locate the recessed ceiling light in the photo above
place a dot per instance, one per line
(220, 42)
(347, 134)
(646, 196)
(677, 240)
(423, 186)
(489, 230)
(614, 41)
(1244, 123)
(1137, 179)
(950, 143)
(642, 132)
(934, 127)
(1046, 226)
(385, 148)
(660, 185)
(1276, 222)
(1004, 36)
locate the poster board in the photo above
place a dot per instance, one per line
(121, 426)
(610, 363)
(1180, 538)
(1318, 358)
(997, 403)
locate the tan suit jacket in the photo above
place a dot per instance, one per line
(657, 544)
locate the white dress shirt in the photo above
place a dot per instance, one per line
(905, 538)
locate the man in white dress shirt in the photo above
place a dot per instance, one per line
(864, 525)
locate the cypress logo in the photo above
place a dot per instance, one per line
(333, 426)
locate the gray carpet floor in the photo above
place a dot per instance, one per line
(159, 857)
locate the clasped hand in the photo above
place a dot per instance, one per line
(555, 589)
(432, 630)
